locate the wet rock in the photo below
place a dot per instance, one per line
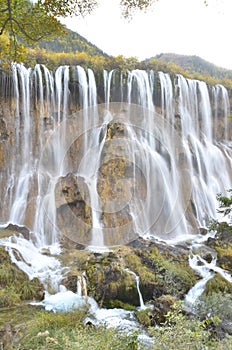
(203, 231)
(18, 229)
(70, 283)
(70, 189)
(45, 251)
(3, 130)
(74, 216)
(205, 252)
(114, 130)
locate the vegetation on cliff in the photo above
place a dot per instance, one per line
(15, 285)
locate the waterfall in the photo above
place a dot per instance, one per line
(205, 158)
(89, 170)
(168, 145)
(23, 144)
(220, 101)
(142, 305)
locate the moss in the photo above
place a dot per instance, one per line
(15, 284)
(162, 270)
(111, 304)
(172, 274)
(134, 262)
(218, 284)
(111, 282)
(144, 317)
(224, 255)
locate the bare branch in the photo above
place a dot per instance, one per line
(4, 25)
(4, 10)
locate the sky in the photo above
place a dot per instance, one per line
(178, 26)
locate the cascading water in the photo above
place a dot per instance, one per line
(142, 305)
(205, 159)
(174, 137)
(23, 174)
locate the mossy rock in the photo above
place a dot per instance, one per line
(218, 284)
(109, 281)
(118, 304)
(147, 277)
(145, 317)
(165, 267)
(162, 306)
(15, 284)
(222, 243)
(224, 258)
(162, 270)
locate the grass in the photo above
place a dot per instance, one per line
(67, 331)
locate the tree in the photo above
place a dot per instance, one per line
(28, 20)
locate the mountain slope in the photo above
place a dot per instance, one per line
(194, 64)
(69, 42)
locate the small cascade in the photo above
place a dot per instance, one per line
(206, 271)
(82, 285)
(142, 305)
(34, 263)
(200, 266)
(204, 268)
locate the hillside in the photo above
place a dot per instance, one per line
(69, 42)
(194, 64)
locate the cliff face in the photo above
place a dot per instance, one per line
(150, 160)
